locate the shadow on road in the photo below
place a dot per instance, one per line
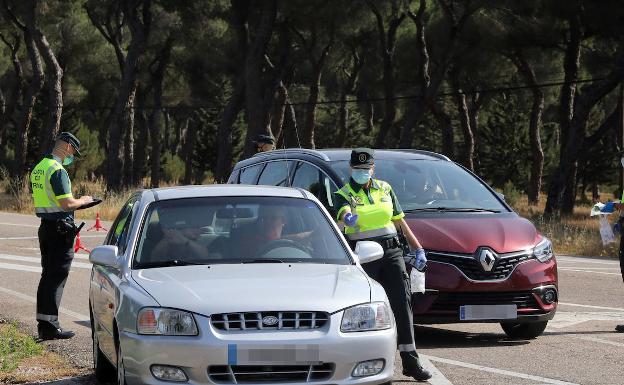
(80, 380)
(86, 324)
(430, 337)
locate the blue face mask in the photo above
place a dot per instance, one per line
(361, 176)
(68, 160)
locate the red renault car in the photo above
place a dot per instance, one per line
(486, 263)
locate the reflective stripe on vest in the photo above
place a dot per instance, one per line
(43, 194)
(374, 220)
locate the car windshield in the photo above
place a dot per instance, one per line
(430, 185)
(237, 230)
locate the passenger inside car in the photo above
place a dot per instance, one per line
(181, 237)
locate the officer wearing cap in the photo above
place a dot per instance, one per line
(370, 210)
(55, 205)
(265, 143)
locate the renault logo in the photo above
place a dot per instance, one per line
(269, 320)
(487, 259)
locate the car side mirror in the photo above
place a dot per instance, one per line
(104, 255)
(501, 196)
(368, 251)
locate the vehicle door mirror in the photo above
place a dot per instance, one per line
(368, 251)
(104, 255)
(501, 196)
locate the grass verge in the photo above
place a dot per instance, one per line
(23, 360)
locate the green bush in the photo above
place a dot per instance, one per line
(511, 193)
(173, 168)
(15, 346)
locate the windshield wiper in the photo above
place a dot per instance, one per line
(172, 262)
(453, 209)
(264, 260)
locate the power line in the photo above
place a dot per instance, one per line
(211, 108)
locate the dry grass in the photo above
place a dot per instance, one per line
(576, 235)
(23, 360)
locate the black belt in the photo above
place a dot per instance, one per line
(386, 243)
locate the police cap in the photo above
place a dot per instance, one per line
(70, 138)
(265, 139)
(362, 158)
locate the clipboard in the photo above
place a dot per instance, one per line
(96, 201)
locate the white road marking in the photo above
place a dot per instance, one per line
(586, 260)
(80, 265)
(595, 339)
(437, 378)
(503, 372)
(587, 271)
(564, 319)
(23, 238)
(591, 306)
(29, 298)
(11, 266)
(18, 224)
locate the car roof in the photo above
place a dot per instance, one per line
(221, 190)
(336, 154)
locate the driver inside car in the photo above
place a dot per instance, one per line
(270, 228)
(180, 239)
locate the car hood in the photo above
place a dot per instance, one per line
(226, 288)
(464, 233)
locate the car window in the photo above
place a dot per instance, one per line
(248, 174)
(307, 177)
(118, 235)
(237, 230)
(430, 184)
(276, 173)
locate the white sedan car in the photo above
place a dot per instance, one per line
(236, 285)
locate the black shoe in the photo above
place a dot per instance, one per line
(413, 368)
(619, 328)
(55, 334)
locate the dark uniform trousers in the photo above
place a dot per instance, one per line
(621, 253)
(57, 253)
(385, 271)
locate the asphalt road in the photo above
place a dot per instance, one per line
(578, 347)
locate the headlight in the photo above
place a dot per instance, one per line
(543, 251)
(370, 316)
(169, 322)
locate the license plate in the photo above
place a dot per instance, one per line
(272, 354)
(487, 312)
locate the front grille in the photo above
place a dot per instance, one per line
(471, 267)
(245, 374)
(283, 320)
(448, 302)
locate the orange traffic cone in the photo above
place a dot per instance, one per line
(78, 245)
(98, 224)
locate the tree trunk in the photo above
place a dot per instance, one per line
(30, 98)
(188, 152)
(128, 146)
(387, 41)
(15, 97)
(55, 88)
(343, 118)
(279, 111)
(121, 118)
(537, 154)
(140, 154)
(290, 135)
(446, 126)
(464, 122)
(224, 132)
(310, 117)
(258, 115)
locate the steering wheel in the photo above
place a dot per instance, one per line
(277, 243)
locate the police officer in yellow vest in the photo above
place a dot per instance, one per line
(370, 211)
(55, 205)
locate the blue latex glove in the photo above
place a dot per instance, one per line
(608, 207)
(616, 227)
(418, 260)
(350, 219)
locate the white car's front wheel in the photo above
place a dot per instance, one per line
(121, 370)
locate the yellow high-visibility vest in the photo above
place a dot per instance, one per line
(42, 192)
(374, 219)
